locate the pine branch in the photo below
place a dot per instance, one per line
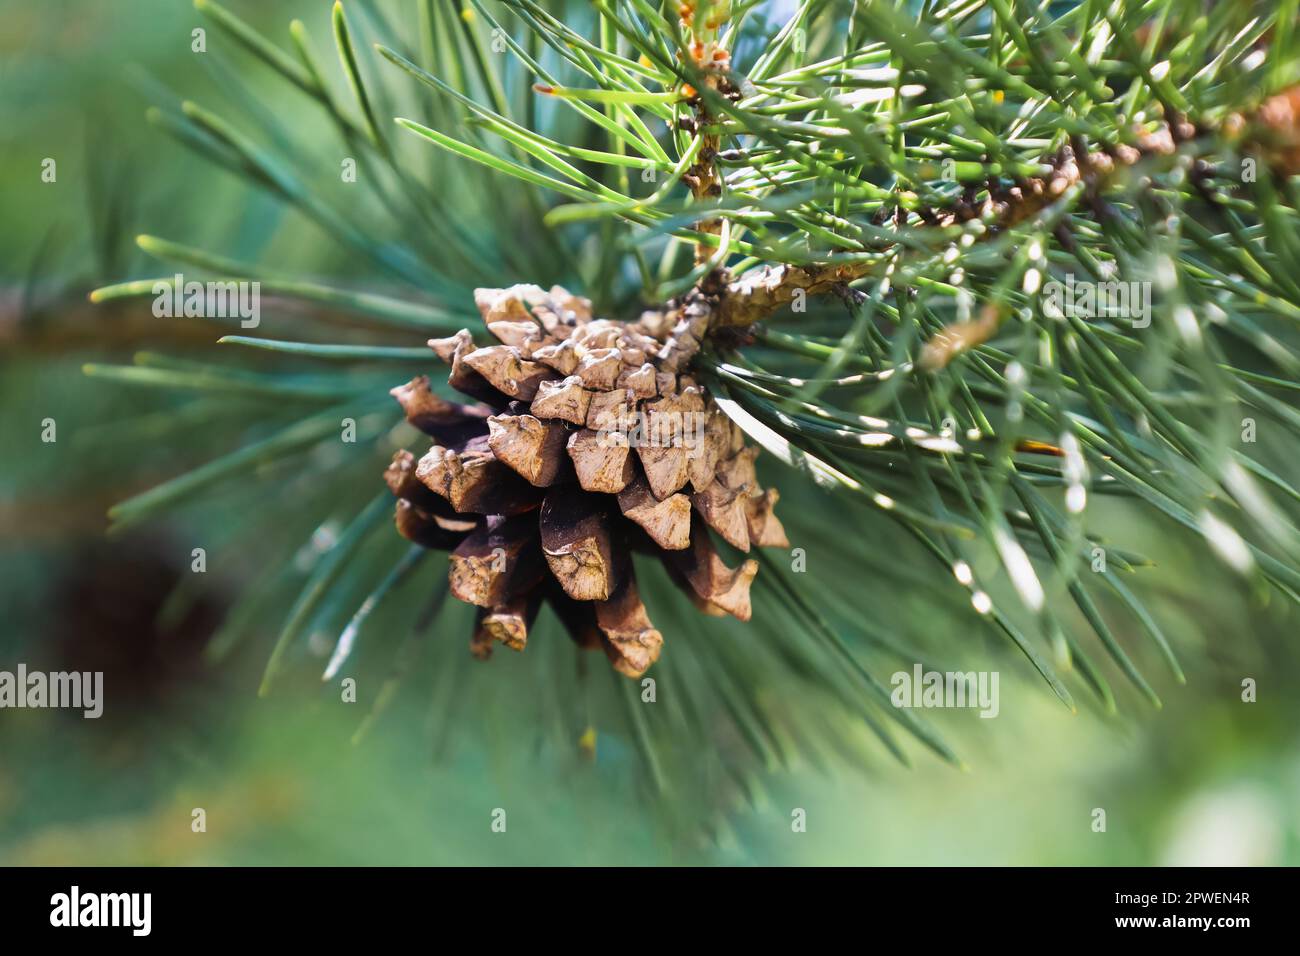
(845, 233)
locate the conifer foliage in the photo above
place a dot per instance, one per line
(963, 270)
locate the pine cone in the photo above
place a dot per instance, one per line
(1278, 122)
(588, 440)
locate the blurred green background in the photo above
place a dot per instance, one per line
(1208, 779)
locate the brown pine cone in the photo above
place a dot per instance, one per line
(587, 441)
(1278, 122)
